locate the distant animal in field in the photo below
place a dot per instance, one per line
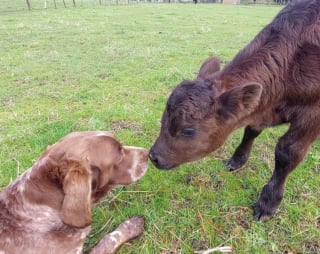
(274, 80)
(48, 208)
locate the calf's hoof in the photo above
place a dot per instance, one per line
(262, 214)
(268, 202)
(235, 163)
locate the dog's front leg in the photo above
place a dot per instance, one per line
(127, 231)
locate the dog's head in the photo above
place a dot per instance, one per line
(85, 166)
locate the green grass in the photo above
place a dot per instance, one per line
(112, 68)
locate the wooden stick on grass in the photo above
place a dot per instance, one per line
(224, 249)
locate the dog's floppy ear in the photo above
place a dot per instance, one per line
(76, 205)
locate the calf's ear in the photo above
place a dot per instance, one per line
(239, 102)
(209, 67)
(76, 205)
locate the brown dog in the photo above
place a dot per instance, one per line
(48, 208)
(275, 79)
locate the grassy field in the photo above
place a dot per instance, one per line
(112, 68)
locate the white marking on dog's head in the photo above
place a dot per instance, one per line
(139, 165)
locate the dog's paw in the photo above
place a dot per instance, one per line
(132, 227)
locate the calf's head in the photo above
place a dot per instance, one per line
(199, 116)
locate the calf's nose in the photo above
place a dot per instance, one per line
(153, 157)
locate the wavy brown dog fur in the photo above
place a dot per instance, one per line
(48, 208)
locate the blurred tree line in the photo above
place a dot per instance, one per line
(17, 5)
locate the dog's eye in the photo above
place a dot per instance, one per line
(188, 132)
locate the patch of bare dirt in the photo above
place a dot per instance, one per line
(123, 124)
(104, 75)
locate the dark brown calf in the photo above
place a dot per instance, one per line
(275, 79)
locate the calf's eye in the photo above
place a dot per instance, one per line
(188, 132)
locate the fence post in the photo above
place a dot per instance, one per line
(29, 4)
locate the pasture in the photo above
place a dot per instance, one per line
(112, 68)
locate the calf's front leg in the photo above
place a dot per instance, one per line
(290, 151)
(241, 154)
